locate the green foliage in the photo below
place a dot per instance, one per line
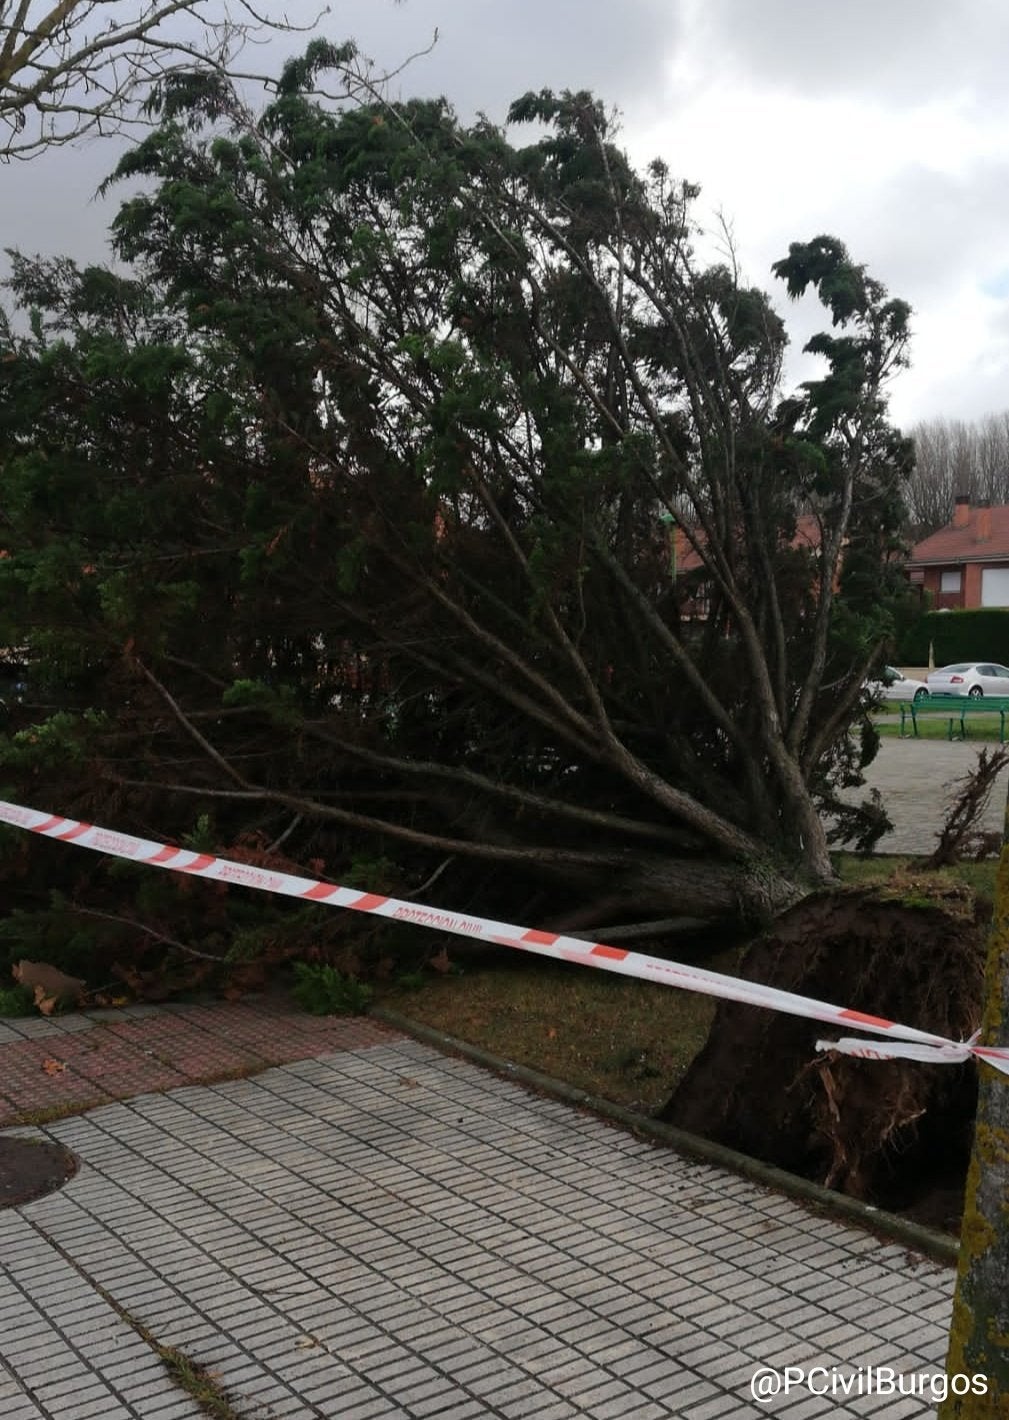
(277, 932)
(340, 512)
(981, 634)
(56, 742)
(201, 838)
(251, 943)
(322, 991)
(50, 933)
(277, 702)
(373, 874)
(16, 1001)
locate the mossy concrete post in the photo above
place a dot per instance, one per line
(979, 1329)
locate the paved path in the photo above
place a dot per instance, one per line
(384, 1231)
(372, 1230)
(915, 778)
(70, 1063)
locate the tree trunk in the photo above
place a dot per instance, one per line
(979, 1329)
(747, 891)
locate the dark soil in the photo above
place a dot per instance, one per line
(31, 1168)
(894, 1133)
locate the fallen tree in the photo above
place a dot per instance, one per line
(421, 496)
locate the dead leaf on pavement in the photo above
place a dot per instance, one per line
(53, 1067)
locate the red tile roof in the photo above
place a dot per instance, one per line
(952, 544)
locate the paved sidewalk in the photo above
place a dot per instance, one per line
(386, 1232)
(70, 1063)
(915, 778)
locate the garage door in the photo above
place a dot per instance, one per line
(995, 586)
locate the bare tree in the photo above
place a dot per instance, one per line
(75, 67)
(954, 457)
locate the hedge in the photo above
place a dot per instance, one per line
(981, 635)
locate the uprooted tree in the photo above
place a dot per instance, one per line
(422, 496)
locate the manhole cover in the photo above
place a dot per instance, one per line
(31, 1168)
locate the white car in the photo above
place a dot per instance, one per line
(973, 678)
(891, 685)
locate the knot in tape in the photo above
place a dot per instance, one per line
(950, 1052)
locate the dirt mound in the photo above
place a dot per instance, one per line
(895, 1133)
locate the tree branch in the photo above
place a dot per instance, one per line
(148, 931)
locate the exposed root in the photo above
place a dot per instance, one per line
(895, 1132)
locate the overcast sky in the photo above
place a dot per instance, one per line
(884, 122)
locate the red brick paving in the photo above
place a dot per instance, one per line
(179, 1045)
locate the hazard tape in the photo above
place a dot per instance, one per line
(903, 1042)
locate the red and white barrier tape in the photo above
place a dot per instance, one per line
(902, 1041)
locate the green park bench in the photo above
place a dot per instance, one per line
(957, 710)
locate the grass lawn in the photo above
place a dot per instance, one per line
(979, 727)
(623, 1040)
(979, 877)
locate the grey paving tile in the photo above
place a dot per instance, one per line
(719, 1407)
(32, 1027)
(322, 1236)
(808, 1407)
(106, 1405)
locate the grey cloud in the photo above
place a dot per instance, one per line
(930, 226)
(50, 206)
(488, 52)
(904, 50)
(926, 233)
(970, 389)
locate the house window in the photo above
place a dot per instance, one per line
(995, 586)
(950, 581)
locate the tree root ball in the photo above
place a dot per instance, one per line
(894, 1133)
